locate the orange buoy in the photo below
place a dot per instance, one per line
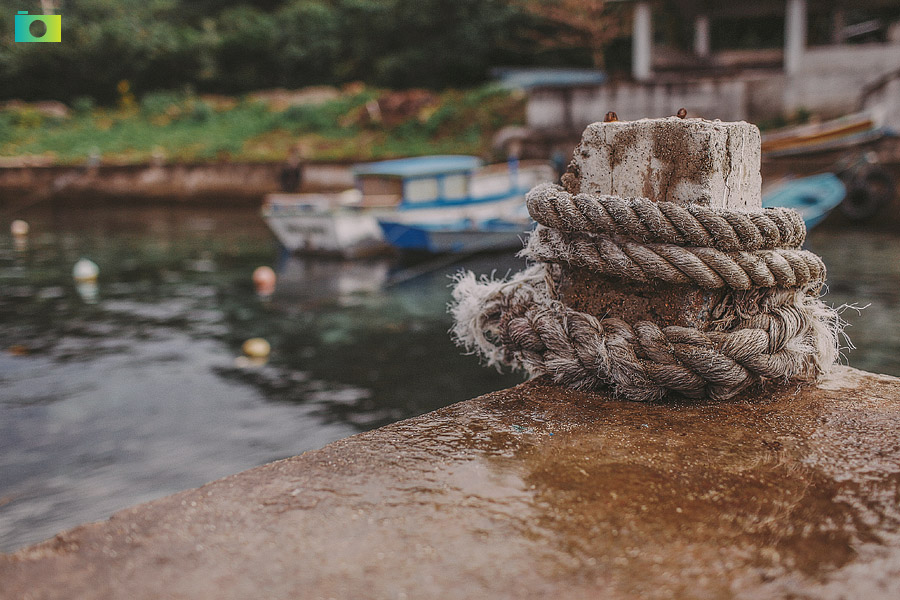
(264, 279)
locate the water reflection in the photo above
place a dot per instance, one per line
(864, 270)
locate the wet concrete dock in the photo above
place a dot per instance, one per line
(532, 492)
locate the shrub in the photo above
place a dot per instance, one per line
(155, 104)
(83, 105)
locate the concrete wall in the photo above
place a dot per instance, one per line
(550, 108)
(215, 181)
(765, 95)
(831, 78)
(547, 109)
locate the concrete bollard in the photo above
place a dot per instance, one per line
(685, 161)
(691, 290)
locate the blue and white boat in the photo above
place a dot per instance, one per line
(430, 203)
(813, 197)
(453, 204)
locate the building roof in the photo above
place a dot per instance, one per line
(420, 166)
(531, 78)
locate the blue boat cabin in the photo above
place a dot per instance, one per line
(416, 182)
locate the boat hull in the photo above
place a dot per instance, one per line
(308, 227)
(846, 132)
(813, 197)
(454, 240)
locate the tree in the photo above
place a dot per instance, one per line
(590, 24)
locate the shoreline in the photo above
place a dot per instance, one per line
(25, 185)
(204, 183)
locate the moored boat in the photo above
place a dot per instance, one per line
(813, 197)
(464, 203)
(845, 132)
(333, 224)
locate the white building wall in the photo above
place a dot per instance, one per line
(828, 82)
(546, 109)
(830, 79)
(725, 100)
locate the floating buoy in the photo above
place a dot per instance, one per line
(19, 228)
(264, 279)
(256, 348)
(85, 271)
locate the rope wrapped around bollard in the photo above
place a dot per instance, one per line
(770, 325)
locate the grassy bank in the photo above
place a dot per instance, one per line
(355, 123)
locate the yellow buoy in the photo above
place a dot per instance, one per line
(256, 348)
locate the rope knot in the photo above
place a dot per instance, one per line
(770, 326)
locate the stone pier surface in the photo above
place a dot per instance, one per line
(532, 492)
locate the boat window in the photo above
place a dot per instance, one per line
(456, 187)
(421, 190)
(379, 191)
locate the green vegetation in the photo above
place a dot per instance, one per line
(178, 80)
(237, 46)
(354, 123)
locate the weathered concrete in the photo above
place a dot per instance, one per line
(532, 492)
(685, 161)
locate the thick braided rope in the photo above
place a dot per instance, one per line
(666, 222)
(772, 325)
(520, 322)
(707, 268)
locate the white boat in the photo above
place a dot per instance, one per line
(323, 224)
(453, 195)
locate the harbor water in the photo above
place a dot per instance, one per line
(134, 388)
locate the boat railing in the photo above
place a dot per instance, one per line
(499, 178)
(379, 201)
(310, 201)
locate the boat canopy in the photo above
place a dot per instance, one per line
(420, 166)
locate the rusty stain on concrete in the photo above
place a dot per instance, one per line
(682, 305)
(532, 492)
